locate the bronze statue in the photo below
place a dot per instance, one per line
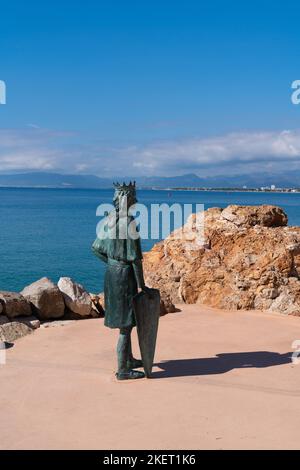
(124, 275)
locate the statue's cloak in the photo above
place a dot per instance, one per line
(120, 253)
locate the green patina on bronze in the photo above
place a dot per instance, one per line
(147, 311)
(123, 277)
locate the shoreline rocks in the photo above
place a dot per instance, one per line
(10, 330)
(14, 304)
(46, 299)
(76, 298)
(43, 303)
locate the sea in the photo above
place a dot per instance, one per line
(49, 232)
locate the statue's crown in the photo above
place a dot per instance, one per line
(125, 187)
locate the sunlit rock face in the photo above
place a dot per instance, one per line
(240, 257)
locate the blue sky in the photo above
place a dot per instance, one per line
(149, 87)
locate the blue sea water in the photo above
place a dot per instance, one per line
(49, 232)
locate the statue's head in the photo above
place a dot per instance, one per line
(125, 196)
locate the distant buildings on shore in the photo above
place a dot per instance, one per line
(271, 188)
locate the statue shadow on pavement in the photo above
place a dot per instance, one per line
(220, 364)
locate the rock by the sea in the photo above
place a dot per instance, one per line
(240, 257)
(77, 299)
(14, 304)
(13, 330)
(97, 305)
(46, 299)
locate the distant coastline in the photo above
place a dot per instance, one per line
(286, 183)
(148, 188)
(233, 190)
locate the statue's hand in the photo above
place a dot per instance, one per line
(147, 290)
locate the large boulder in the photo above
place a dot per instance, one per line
(240, 257)
(77, 299)
(46, 299)
(14, 304)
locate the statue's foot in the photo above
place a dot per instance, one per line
(134, 363)
(130, 374)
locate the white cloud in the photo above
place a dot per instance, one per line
(240, 152)
(31, 149)
(236, 152)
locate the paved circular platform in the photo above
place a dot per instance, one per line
(222, 380)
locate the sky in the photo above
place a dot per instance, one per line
(116, 88)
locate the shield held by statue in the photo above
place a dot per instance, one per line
(147, 312)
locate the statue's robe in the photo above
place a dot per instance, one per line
(123, 273)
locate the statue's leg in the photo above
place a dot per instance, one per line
(131, 361)
(123, 350)
(123, 347)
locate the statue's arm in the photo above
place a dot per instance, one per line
(139, 276)
(138, 273)
(99, 255)
(136, 253)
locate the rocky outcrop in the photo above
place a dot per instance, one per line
(46, 299)
(76, 298)
(240, 257)
(249, 216)
(14, 304)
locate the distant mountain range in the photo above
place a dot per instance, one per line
(57, 180)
